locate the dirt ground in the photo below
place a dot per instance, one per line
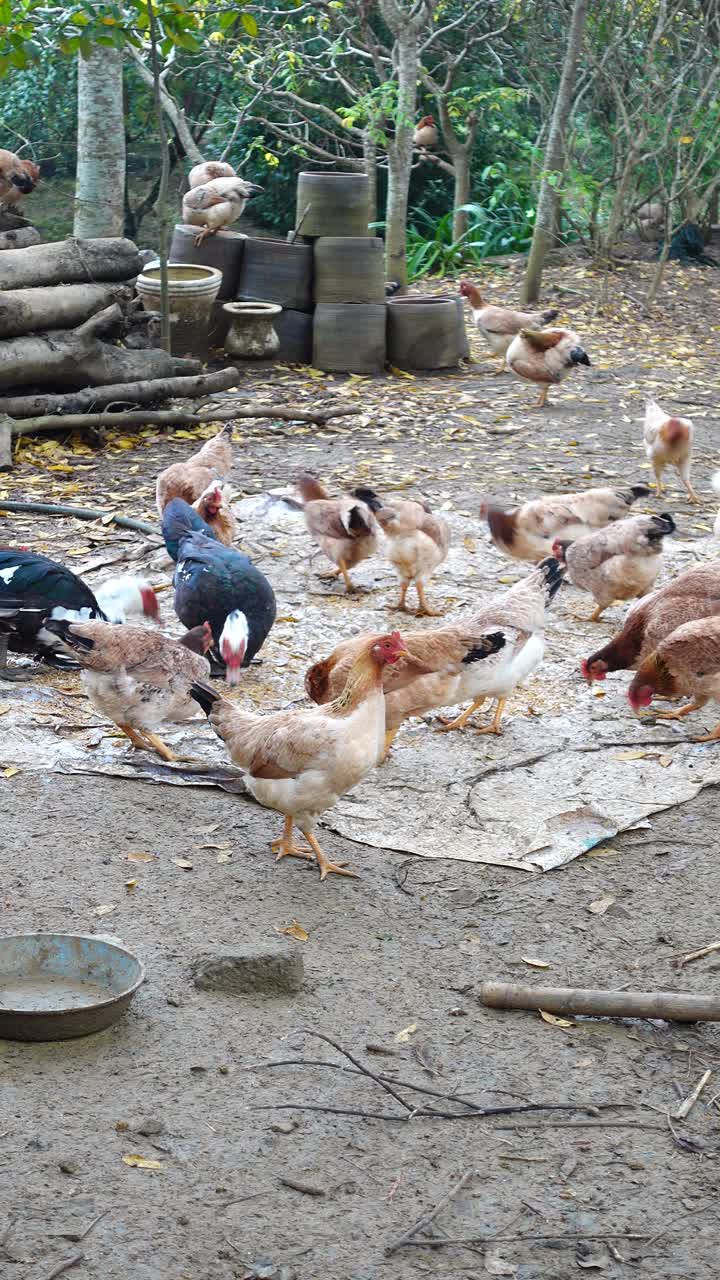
(394, 960)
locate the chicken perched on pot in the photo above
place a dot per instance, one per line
(219, 585)
(18, 178)
(35, 590)
(499, 325)
(685, 664)
(546, 357)
(136, 677)
(217, 204)
(486, 655)
(214, 509)
(425, 133)
(190, 479)
(417, 542)
(693, 595)
(668, 443)
(529, 531)
(617, 563)
(300, 762)
(208, 171)
(344, 528)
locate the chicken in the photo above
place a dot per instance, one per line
(484, 656)
(417, 542)
(694, 594)
(136, 677)
(209, 171)
(300, 762)
(529, 531)
(668, 443)
(499, 325)
(17, 178)
(216, 204)
(425, 134)
(214, 509)
(189, 480)
(344, 528)
(685, 664)
(34, 590)
(617, 563)
(219, 585)
(545, 357)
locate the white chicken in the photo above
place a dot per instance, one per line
(668, 443)
(209, 171)
(217, 204)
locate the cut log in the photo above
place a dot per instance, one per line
(120, 393)
(77, 358)
(69, 262)
(22, 238)
(55, 306)
(5, 444)
(673, 1006)
(177, 417)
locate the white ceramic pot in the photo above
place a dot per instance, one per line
(251, 335)
(192, 289)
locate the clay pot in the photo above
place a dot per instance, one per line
(423, 333)
(251, 335)
(349, 338)
(224, 251)
(463, 340)
(295, 331)
(275, 271)
(339, 204)
(349, 269)
(192, 291)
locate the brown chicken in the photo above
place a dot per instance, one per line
(189, 480)
(214, 508)
(417, 542)
(300, 762)
(617, 563)
(344, 528)
(426, 134)
(486, 655)
(499, 325)
(136, 677)
(545, 357)
(208, 171)
(17, 178)
(685, 664)
(694, 594)
(668, 443)
(529, 531)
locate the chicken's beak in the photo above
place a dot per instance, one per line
(253, 190)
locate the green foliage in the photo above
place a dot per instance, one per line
(494, 228)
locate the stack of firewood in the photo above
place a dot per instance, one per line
(75, 339)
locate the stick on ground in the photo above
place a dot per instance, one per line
(673, 1006)
(687, 1105)
(423, 1223)
(177, 417)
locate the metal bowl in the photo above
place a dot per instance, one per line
(54, 986)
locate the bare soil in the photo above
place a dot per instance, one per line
(394, 959)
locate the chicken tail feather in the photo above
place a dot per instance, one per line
(369, 497)
(553, 572)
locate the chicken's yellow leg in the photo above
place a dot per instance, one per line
(659, 486)
(156, 744)
(678, 713)
(495, 726)
(710, 737)
(597, 613)
(403, 593)
(325, 865)
(503, 367)
(349, 584)
(424, 608)
(460, 721)
(692, 496)
(202, 236)
(540, 402)
(283, 847)
(136, 738)
(390, 735)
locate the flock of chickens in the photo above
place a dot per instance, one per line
(300, 761)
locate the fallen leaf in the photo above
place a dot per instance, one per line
(403, 1036)
(224, 857)
(141, 1162)
(104, 909)
(636, 754)
(397, 373)
(131, 885)
(554, 1021)
(141, 857)
(10, 772)
(184, 863)
(4, 708)
(665, 761)
(535, 964)
(295, 930)
(600, 905)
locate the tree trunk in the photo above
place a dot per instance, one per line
(461, 164)
(554, 154)
(370, 158)
(399, 153)
(100, 181)
(69, 262)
